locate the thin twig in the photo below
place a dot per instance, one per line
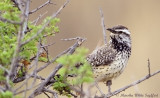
(52, 92)
(36, 65)
(16, 89)
(48, 45)
(23, 28)
(70, 39)
(16, 93)
(52, 74)
(38, 18)
(2, 89)
(41, 6)
(82, 93)
(3, 68)
(149, 68)
(46, 94)
(46, 24)
(103, 27)
(46, 51)
(43, 84)
(64, 52)
(96, 84)
(53, 60)
(132, 84)
(49, 34)
(81, 87)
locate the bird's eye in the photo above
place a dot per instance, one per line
(120, 32)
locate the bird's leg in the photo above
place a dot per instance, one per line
(109, 83)
(99, 89)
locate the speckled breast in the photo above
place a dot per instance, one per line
(107, 72)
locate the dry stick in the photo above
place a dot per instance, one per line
(38, 18)
(3, 68)
(7, 79)
(41, 6)
(53, 16)
(64, 52)
(44, 66)
(132, 84)
(81, 87)
(46, 24)
(52, 92)
(149, 69)
(47, 45)
(16, 89)
(34, 73)
(82, 93)
(53, 60)
(108, 83)
(46, 52)
(96, 84)
(16, 93)
(41, 87)
(20, 37)
(36, 65)
(103, 27)
(46, 94)
(2, 89)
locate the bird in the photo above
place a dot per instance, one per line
(109, 61)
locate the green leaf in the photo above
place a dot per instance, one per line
(7, 94)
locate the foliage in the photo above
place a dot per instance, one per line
(6, 94)
(61, 87)
(8, 31)
(8, 40)
(76, 65)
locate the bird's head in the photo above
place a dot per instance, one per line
(120, 34)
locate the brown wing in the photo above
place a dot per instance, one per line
(102, 56)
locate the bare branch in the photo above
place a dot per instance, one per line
(70, 39)
(103, 27)
(3, 68)
(96, 84)
(44, 66)
(46, 24)
(34, 71)
(41, 6)
(48, 45)
(23, 28)
(132, 84)
(149, 69)
(2, 89)
(38, 18)
(40, 88)
(52, 92)
(23, 78)
(53, 60)
(16, 93)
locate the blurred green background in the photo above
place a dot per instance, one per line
(82, 18)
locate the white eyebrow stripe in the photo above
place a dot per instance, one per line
(124, 30)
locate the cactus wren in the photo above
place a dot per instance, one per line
(109, 61)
